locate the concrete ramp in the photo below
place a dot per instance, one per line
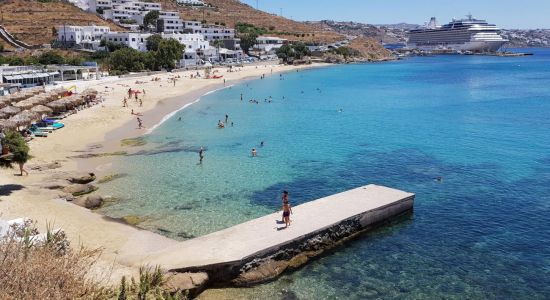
(314, 225)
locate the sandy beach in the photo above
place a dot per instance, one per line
(100, 129)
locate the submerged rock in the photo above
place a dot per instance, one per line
(135, 142)
(94, 155)
(109, 178)
(183, 207)
(132, 220)
(185, 235)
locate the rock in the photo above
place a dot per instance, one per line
(82, 178)
(132, 220)
(111, 177)
(298, 260)
(79, 189)
(66, 196)
(194, 283)
(90, 202)
(264, 272)
(135, 142)
(55, 185)
(43, 167)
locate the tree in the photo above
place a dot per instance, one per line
(51, 58)
(301, 50)
(151, 19)
(169, 51)
(127, 60)
(1, 47)
(248, 40)
(18, 148)
(153, 42)
(286, 53)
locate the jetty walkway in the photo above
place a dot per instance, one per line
(231, 252)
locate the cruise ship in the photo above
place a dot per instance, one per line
(468, 34)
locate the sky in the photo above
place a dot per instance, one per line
(511, 14)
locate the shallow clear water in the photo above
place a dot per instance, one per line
(481, 123)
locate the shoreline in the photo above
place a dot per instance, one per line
(100, 129)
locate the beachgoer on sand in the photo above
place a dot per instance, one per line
(140, 123)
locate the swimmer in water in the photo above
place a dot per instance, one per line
(254, 152)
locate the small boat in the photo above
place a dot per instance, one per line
(37, 132)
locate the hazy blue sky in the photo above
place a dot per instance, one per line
(504, 13)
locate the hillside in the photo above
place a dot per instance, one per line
(33, 22)
(370, 49)
(233, 11)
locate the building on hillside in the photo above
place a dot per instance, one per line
(82, 37)
(170, 22)
(127, 13)
(191, 2)
(135, 40)
(269, 44)
(210, 32)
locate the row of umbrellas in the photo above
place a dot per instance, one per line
(27, 111)
(20, 96)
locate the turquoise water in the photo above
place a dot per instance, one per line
(481, 123)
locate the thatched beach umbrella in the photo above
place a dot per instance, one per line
(25, 104)
(57, 105)
(41, 109)
(21, 120)
(7, 124)
(10, 110)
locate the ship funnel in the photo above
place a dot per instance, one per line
(432, 24)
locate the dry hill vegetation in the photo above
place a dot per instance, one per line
(370, 48)
(230, 12)
(33, 21)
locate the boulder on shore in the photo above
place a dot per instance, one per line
(90, 202)
(81, 178)
(194, 283)
(79, 189)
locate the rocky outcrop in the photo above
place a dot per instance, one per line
(82, 178)
(191, 283)
(90, 202)
(79, 189)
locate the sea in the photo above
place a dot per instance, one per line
(469, 135)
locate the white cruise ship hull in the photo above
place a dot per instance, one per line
(477, 46)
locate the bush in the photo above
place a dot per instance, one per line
(45, 270)
(18, 148)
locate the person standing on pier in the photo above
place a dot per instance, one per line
(284, 198)
(287, 210)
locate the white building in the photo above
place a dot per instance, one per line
(210, 32)
(87, 37)
(133, 40)
(124, 11)
(269, 44)
(191, 2)
(169, 22)
(195, 44)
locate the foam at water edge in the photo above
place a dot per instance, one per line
(168, 116)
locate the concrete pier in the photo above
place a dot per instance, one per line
(261, 249)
